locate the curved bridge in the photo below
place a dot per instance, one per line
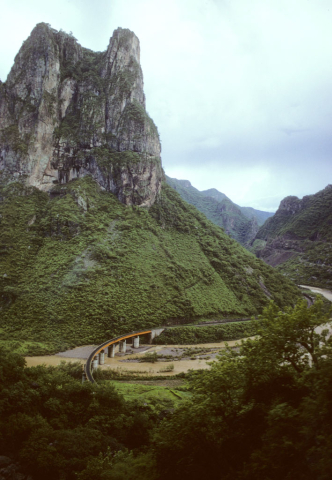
(97, 356)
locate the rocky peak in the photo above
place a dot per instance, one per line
(66, 112)
(290, 204)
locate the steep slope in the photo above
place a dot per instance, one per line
(249, 212)
(298, 239)
(66, 112)
(240, 223)
(80, 266)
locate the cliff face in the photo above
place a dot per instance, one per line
(67, 112)
(298, 238)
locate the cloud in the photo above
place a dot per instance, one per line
(232, 85)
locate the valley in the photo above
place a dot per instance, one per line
(170, 360)
(96, 241)
(124, 364)
(240, 223)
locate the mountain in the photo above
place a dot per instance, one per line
(248, 212)
(92, 241)
(240, 223)
(66, 112)
(260, 215)
(298, 239)
(213, 193)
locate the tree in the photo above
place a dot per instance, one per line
(296, 336)
(262, 413)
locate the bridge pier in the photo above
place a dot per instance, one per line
(123, 346)
(101, 357)
(95, 363)
(98, 354)
(111, 351)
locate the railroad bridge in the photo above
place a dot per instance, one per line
(97, 357)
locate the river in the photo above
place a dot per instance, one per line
(80, 354)
(326, 293)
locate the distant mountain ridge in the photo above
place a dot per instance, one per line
(249, 212)
(298, 238)
(240, 223)
(214, 193)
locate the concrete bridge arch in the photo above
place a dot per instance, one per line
(98, 354)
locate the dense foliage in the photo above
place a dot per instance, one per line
(262, 413)
(53, 425)
(79, 266)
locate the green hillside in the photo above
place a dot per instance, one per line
(309, 218)
(77, 266)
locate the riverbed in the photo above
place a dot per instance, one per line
(120, 363)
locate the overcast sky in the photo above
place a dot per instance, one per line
(241, 91)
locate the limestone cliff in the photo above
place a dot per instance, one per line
(67, 112)
(298, 238)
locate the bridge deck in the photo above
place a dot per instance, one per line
(107, 344)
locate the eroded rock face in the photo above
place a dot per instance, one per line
(298, 238)
(66, 112)
(292, 205)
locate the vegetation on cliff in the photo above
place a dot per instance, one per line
(240, 223)
(79, 266)
(298, 239)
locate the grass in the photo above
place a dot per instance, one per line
(32, 348)
(152, 395)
